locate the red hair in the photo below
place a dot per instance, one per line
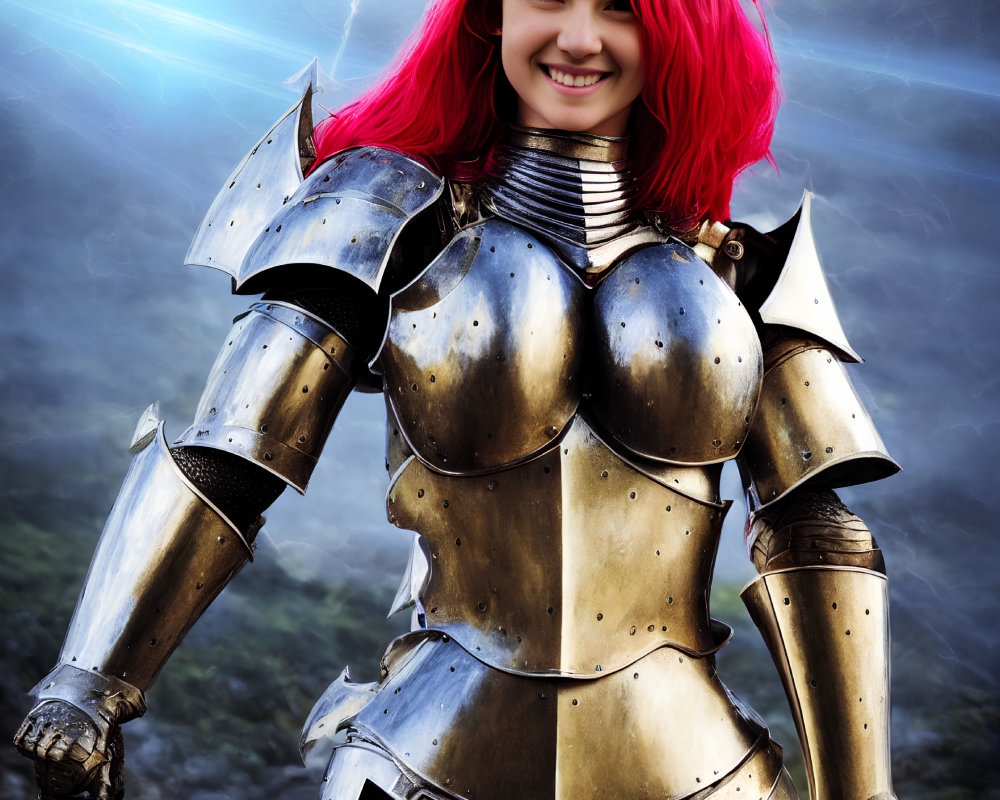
(706, 112)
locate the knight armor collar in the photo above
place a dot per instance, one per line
(574, 190)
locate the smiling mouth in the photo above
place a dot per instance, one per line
(574, 81)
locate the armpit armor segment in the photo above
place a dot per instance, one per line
(569, 591)
(346, 215)
(828, 633)
(265, 179)
(163, 557)
(274, 391)
(810, 426)
(801, 298)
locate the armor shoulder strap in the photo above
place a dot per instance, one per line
(797, 296)
(346, 215)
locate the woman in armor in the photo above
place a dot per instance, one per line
(518, 236)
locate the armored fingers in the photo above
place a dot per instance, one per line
(821, 602)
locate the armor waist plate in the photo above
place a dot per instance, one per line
(459, 725)
(547, 567)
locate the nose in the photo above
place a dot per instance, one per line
(580, 34)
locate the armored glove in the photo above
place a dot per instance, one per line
(73, 734)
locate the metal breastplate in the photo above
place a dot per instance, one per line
(564, 437)
(495, 347)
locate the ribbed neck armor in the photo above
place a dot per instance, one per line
(575, 190)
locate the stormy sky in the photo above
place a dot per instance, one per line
(120, 119)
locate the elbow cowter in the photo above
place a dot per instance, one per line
(810, 527)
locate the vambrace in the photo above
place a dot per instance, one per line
(164, 555)
(821, 604)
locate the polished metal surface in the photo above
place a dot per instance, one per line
(450, 721)
(828, 632)
(801, 298)
(677, 364)
(346, 215)
(483, 353)
(274, 391)
(574, 563)
(811, 426)
(165, 553)
(576, 191)
(266, 177)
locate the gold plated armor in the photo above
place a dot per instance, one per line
(563, 381)
(827, 629)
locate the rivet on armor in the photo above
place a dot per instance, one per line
(549, 610)
(268, 456)
(651, 628)
(600, 617)
(829, 449)
(631, 495)
(576, 702)
(670, 602)
(604, 473)
(458, 542)
(734, 250)
(444, 504)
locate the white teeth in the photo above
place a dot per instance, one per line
(573, 80)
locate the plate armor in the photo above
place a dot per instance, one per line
(564, 379)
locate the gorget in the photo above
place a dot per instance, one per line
(574, 190)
